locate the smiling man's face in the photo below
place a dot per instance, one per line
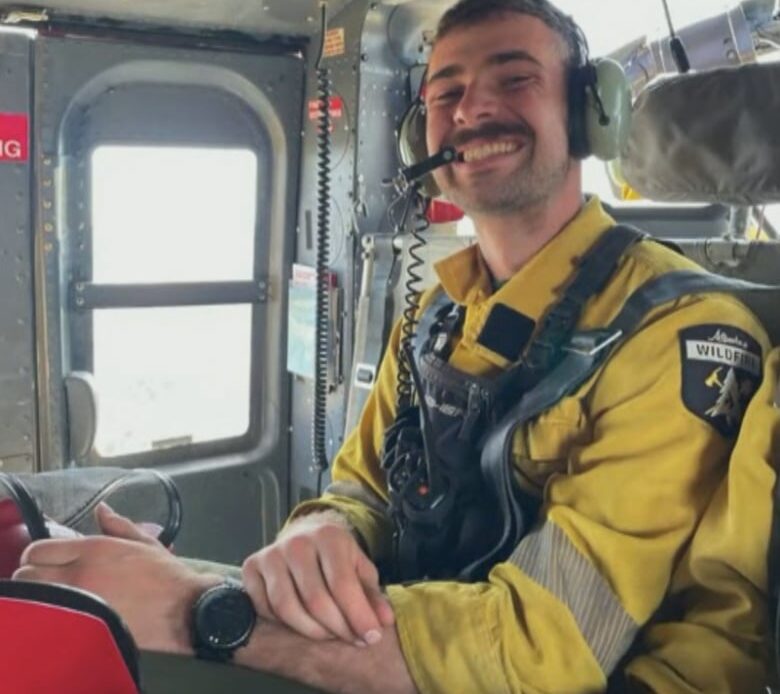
(497, 92)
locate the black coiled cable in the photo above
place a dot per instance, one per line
(322, 320)
(413, 291)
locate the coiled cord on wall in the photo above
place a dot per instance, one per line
(322, 320)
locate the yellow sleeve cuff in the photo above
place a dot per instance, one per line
(505, 635)
(448, 646)
(373, 528)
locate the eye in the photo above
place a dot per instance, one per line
(515, 81)
(448, 96)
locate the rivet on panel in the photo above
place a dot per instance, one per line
(48, 227)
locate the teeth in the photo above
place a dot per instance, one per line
(490, 150)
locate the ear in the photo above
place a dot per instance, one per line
(412, 148)
(606, 140)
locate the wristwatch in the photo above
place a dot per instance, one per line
(222, 621)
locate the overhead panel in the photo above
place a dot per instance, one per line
(260, 17)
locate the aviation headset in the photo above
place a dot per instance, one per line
(599, 98)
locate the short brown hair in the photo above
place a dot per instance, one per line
(468, 12)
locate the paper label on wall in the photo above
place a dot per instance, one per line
(335, 43)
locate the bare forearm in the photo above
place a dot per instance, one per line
(333, 666)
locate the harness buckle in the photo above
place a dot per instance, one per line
(592, 342)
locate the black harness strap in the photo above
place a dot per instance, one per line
(427, 524)
(585, 353)
(431, 314)
(593, 271)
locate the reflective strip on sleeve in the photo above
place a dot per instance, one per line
(358, 492)
(548, 557)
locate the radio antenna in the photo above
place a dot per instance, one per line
(679, 53)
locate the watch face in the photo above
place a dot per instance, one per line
(224, 618)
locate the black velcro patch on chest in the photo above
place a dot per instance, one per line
(506, 332)
(721, 369)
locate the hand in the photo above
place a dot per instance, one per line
(149, 588)
(317, 581)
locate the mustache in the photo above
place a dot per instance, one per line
(492, 130)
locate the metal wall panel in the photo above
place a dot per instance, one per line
(344, 75)
(17, 318)
(384, 42)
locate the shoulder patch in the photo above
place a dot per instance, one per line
(721, 369)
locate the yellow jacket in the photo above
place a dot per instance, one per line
(626, 468)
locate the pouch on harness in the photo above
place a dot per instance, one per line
(455, 504)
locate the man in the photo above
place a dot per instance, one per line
(624, 468)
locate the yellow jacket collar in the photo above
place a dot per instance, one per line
(466, 279)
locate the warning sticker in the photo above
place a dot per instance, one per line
(14, 137)
(335, 43)
(336, 108)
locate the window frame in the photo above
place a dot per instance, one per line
(226, 121)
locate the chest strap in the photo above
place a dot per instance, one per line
(584, 354)
(591, 274)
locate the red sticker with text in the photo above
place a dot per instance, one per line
(14, 136)
(336, 108)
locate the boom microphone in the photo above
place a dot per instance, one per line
(411, 174)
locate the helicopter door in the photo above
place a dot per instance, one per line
(165, 214)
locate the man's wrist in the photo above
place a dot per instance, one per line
(223, 619)
(182, 620)
(329, 516)
(316, 518)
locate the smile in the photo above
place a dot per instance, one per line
(489, 150)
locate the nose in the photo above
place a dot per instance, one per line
(477, 103)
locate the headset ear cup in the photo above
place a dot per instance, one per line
(606, 141)
(411, 144)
